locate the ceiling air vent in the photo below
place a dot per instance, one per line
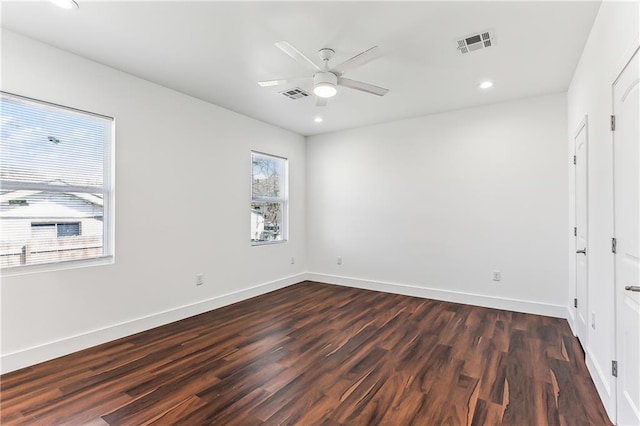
(477, 41)
(295, 93)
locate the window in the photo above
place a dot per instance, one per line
(268, 198)
(55, 230)
(55, 183)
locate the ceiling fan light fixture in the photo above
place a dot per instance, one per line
(66, 4)
(324, 84)
(325, 90)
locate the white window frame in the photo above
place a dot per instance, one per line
(284, 199)
(107, 190)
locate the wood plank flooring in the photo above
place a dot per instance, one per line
(317, 354)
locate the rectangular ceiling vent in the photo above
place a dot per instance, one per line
(475, 42)
(295, 93)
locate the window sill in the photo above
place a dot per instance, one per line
(52, 267)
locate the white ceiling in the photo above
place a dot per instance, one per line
(217, 51)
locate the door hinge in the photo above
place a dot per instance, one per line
(614, 368)
(613, 123)
(614, 245)
(575, 231)
(575, 302)
(574, 160)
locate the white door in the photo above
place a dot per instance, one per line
(580, 144)
(626, 162)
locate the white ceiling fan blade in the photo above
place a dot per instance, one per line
(269, 83)
(278, 82)
(360, 59)
(287, 48)
(364, 87)
(320, 102)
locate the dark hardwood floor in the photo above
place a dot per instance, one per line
(316, 354)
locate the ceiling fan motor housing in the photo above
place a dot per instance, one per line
(325, 77)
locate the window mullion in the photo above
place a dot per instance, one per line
(43, 186)
(262, 199)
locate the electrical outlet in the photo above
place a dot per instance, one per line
(293, 260)
(199, 279)
(593, 320)
(497, 276)
(339, 260)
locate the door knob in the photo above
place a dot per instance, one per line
(583, 251)
(632, 288)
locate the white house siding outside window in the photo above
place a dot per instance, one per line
(269, 198)
(55, 183)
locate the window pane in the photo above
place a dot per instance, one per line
(69, 229)
(267, 176)
(266, 222)
(39, 231)
(53, 192)
(44, 143)
(50, 227)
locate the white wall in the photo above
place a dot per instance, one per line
(613, 39)
(182, 207)
(432, 206)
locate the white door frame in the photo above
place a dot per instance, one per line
(581, 332)
(617, 285)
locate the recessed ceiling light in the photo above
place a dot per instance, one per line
(486, 84)
(318, 120)
(66, 4)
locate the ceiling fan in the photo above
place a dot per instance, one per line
(326, 79)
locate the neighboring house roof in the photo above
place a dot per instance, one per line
(5, 197)
(22, 194)
(61, 205)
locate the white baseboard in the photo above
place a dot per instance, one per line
(603, 384)
(34, 355)
(571, 319)
(515, 305)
